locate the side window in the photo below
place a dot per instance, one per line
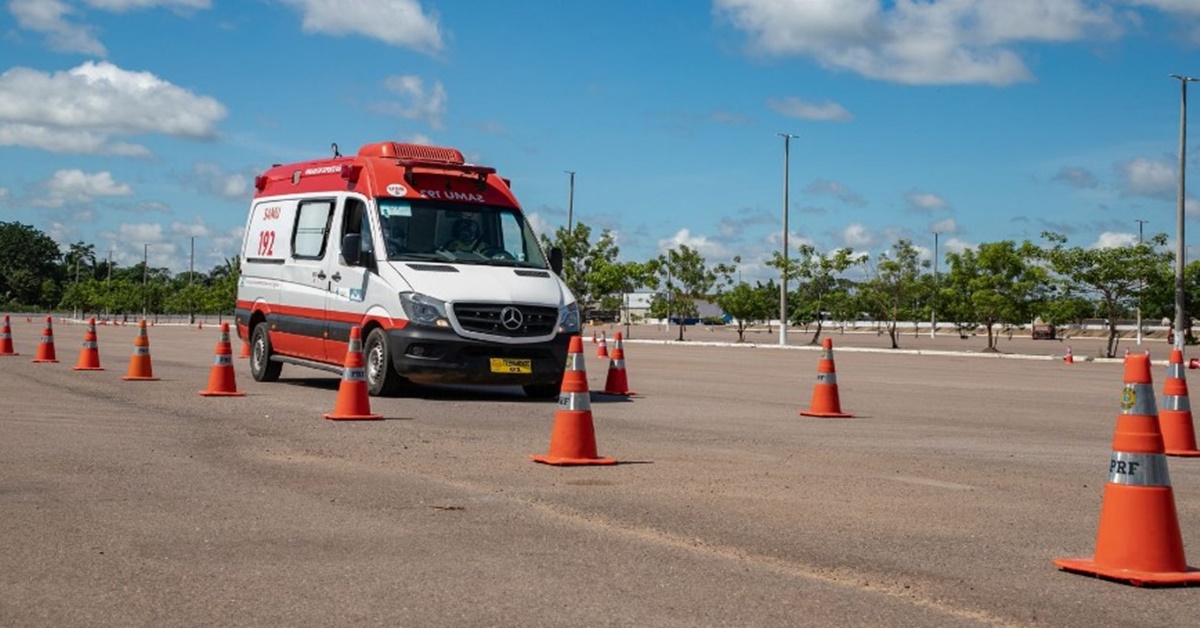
(510, 231)
(356, 220)
(312, 229)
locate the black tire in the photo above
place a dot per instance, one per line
(382, 379)
(262, 367)
(542, 391)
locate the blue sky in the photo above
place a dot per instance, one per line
(132, 122)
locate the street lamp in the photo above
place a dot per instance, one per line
(933, 301)
(570, 201)
(783, 270)
(1180, 251)
(1141, 223)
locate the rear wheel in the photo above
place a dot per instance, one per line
(382, 379)
(262, 367)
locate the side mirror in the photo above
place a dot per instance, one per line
(352, 249)
(556, 260)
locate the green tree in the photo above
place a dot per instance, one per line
(1113, 275)
(895, 288)
(817, 275)
(998, 282)
(28, 260)
(747, 304)
(687, 278)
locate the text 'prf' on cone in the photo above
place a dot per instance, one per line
(573, 437)
(89, 354)
(221, 380)
(45, 350)
(1138, 541)
(353, 400)
(140, 367)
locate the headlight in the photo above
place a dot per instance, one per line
(568, 319)
(424, 310)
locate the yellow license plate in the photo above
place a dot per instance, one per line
(509, 365)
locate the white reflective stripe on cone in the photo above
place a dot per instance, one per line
(1175, 370)
(575, 362)
(826, 378)
(356, 374)
(356, 345)
(1138, 469)
(89, 344)
(223, 359)
(574, 401)
(1178, 403)
(141, 351)
(1138, 399)
(617, 364)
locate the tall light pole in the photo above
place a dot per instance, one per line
(933, 301)
(783, 270)
(1141, 223)
(108, 287)
(192, 283)
(570, 201)
(1180, 250)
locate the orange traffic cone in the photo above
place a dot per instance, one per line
(825, 400)
(245, 351)
(89, 355)
(221, 380)
(617, 382)
(140, 368)
(45, 351)
(602, 350)
(6, 343)
(1175, 417)
(573, 438)
(1069, 358)
(1138, 540)
(594, 341)
(353, 402)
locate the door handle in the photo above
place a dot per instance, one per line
(321, 275)
(337, 276)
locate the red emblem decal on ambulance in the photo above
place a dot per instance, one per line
(395, 189)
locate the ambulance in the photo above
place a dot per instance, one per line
(429, 256)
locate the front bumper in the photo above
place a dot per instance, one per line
(426, 355)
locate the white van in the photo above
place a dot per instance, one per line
(429, 256)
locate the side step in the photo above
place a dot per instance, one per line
(312, 364)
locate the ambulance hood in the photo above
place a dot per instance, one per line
(477, 283)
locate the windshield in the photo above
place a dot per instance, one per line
(465, 233)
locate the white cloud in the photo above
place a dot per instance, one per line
(925, 202)
(118, 6)
(927, 42)
(53, 19)
(1077, 177)
(420, 103)
(77, 111)
(949, 225)
(1186, 7)
(540, 225)
(1152, 178)
(857, 236)
(827, 187)
(712, 251)
(956, 245)
(1111, 240)
(50, 18)
(212, 179)
(396, 22)
(79, 188)
(796, 108)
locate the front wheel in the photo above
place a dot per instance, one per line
(382, 379)
(262, 367)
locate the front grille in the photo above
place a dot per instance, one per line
(485, 318)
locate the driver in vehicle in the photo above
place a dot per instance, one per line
(466, 237)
